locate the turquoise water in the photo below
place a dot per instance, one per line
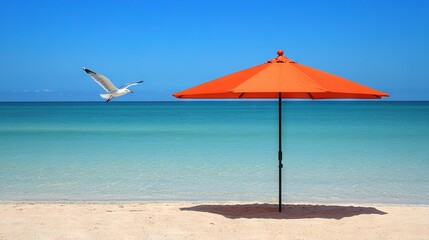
(357, 152)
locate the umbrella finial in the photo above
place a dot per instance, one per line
(280, 58)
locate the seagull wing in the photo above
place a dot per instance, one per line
(103, 81)
(130, 84)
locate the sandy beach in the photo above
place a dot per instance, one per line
(185, 220)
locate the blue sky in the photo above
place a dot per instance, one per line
(173, 45)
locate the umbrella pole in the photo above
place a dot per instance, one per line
(280, 152)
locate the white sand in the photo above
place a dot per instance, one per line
(184, 220)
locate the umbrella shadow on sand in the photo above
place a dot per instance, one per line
(290, 211)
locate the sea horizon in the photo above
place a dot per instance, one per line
(224, 100)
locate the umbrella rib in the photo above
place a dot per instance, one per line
(311, 96)
(241, 95)
(311, 79)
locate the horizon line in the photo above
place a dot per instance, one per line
(228, 100)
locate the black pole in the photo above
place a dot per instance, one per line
(280, 152)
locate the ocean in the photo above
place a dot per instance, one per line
(334, 151)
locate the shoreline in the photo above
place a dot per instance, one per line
(204, 202)
(210, 220)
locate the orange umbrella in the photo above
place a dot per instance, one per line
(281, 78)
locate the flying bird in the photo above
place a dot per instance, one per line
(107, 85)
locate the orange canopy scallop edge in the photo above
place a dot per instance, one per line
(281, 75)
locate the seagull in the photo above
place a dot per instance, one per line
(107, 85)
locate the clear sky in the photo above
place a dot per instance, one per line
(173, 45)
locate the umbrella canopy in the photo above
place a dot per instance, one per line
(281, 75)
(281, 78)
